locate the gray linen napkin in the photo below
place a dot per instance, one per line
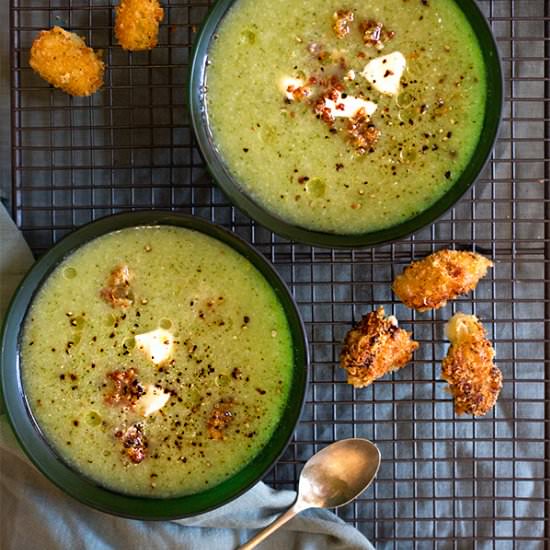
(35, 514)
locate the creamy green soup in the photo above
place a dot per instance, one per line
(157, 361)
(415, 69)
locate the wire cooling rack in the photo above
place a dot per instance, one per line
(445, 482)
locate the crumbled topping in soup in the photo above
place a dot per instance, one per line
(219, 420)
(342, 20)
(363, 134)
(117, 292)
(374, 34)
(126, 388)
(134, 443)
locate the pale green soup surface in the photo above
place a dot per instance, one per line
(308, 173)
(230, 346)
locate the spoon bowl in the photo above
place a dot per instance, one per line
(339, 473)
(331, 478)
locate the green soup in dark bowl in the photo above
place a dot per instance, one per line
(153, 365)
(345, 124)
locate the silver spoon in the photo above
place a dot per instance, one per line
(331, 478)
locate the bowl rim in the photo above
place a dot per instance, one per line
(50, 463)
(222, 177)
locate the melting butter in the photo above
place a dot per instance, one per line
(157, 345)
(385, 72)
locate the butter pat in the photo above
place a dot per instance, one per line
(152, 400)
(385, 72)
(157, 345)
(348, 106)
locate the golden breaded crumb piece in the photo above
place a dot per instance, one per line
(444, 275)
(118, 292)
(374, 347)
(474, 380)
(137, 24)
(63, 59)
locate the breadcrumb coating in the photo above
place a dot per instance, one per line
(442, 276)
(63, 59)
(374, 347)
(474, 380)
(117, 292)
(137, 24)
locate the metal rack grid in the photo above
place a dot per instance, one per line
(445, 481)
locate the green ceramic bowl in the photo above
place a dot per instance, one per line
(75, 484)
(238, 196)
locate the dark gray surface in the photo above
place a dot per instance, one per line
(445, 481)
(5, 163)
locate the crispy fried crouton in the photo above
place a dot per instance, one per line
(342, 21)
(374, 33)
(126, 388)
(220, 418)
(374, 347)
(137, 24)
(444, 275)
(63, 59)
(118, 293)
(134, 442)
(474, 380)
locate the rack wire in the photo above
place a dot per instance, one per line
(445, 481)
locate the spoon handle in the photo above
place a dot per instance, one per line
(279, 522)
